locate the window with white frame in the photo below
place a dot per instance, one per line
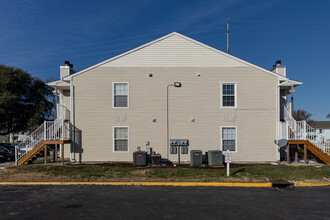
(228, 138)
(120, 139)
(228, 93)
(120, 95)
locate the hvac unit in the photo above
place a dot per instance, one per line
(215, 158)
(140, 159)
(156, 160)
(195, 158)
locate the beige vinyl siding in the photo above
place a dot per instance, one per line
(174, 51)
(66, 100)
(198, 98)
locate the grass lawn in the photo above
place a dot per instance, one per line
(261, 173)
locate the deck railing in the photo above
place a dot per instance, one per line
(49, 130)
(300, 130)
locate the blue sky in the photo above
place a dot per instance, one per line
(38, 35)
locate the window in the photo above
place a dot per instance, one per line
(120, 139)
(228, 95)
(228, 138)
(120, 95)
(321, 131)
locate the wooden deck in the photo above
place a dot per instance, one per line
(312, 148)
(33, 154)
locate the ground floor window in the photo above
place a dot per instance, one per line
(120, 139)
(228, 138)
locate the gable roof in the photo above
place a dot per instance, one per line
(321, 124)
(183, 37)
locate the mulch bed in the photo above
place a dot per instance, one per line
(130, 165)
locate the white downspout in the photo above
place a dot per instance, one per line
(278, 116)
(72, 119)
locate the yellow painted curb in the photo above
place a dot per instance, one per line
(310, 184)
(144, 184)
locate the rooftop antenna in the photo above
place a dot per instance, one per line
(228, 35)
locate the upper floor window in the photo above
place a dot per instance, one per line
(120, 93)
(228, 95)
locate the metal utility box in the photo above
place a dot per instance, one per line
(140, 159)
(215, 158)
(149, 152)
(156, 160)
(173, 150)
(179, 146)
(184, 150)
(195, 158)
(204, 158)
(179, 142)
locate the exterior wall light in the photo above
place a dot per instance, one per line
(177, 84)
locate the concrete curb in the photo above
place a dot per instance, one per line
(212, 184)
(310, 184)
(144, 184)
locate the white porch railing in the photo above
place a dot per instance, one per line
(49, 130)
(300, 130)
(63, 113)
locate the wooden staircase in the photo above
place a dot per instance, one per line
(38, 151)
(49, 133)
(300, 132)
(312, 148)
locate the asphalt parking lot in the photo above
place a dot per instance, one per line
(155, 202)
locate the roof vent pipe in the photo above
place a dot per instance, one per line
(67, 63)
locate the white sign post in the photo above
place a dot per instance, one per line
(227, 160)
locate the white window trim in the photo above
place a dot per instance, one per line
(235, 89)
(113, 139)
(113, 94)
(221, 147)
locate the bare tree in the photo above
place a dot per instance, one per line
(303, 115)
